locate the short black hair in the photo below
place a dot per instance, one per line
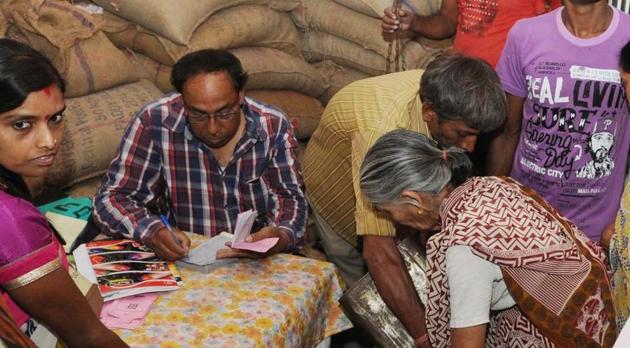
(460, 88)
(208, 61)
(624, 59)
(23, 70)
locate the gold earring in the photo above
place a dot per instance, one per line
(419, 212)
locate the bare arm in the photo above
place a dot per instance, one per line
(438, 26)
(469, 337)
(503, 146)
(393, 282)
(55, 301)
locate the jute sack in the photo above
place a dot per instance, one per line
(85, 188)
(4, 25)
(304, 112)
(94, 127)
(84, 56)
(318, 46)
(338, 77)
(153, 71)
(269, 68)
(332, 18)
(375, 8)
(419, 55)
(234, 27)
(177, 20)
(127, 35)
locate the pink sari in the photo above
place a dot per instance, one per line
(28, 249)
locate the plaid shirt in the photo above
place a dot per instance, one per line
(160, 157)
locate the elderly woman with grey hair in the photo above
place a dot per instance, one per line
(505, 269)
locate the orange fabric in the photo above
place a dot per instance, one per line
(10, 334)
(483, 25)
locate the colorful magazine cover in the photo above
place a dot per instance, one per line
(124, 267)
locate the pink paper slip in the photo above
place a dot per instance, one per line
(244, 223)
(127, 312)
(261, 246)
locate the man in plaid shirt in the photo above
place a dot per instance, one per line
(211, 153)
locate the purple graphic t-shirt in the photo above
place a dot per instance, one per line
(575, 132)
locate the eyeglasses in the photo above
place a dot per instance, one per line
(221, 115)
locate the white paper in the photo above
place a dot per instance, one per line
(84, 266)
(206, 252)
(69, 228)
(244, 223)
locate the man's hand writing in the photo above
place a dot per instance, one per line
(265, 232)
(165, 246)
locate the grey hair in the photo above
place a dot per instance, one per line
(464, 89)
(405, 160)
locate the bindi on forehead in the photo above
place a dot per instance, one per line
(48, 90)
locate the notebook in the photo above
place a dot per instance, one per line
(124, 268)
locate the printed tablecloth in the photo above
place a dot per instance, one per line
(280, 301)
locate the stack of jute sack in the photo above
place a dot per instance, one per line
(103, 89)
(343, 38)
(259, 32)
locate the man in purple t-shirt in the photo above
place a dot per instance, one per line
(568, 112)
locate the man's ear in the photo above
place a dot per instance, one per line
(427, 113)
(241, 97)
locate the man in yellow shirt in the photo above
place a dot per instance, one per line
(452, 101)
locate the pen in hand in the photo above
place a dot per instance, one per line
(170, 228)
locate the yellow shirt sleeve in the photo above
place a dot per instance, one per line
(368, 221)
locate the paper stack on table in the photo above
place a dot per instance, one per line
(203, 257)
(206, 252)
(124, 268)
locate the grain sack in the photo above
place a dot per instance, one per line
(269, 68)
(4, 25)
(337, 77)
(85, 188)
(94, 127)
(231, 28)
(341, 21)
(153, 71)
(318, 46)
(127, 35)
(177, 20)
(84, 56)
(304, 112)
(375, 8)
(418, 56)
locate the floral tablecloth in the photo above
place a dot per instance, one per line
(280, 301)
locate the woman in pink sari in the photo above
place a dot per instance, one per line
(504, 269)
(34, 280)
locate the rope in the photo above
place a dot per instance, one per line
(396, 45)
